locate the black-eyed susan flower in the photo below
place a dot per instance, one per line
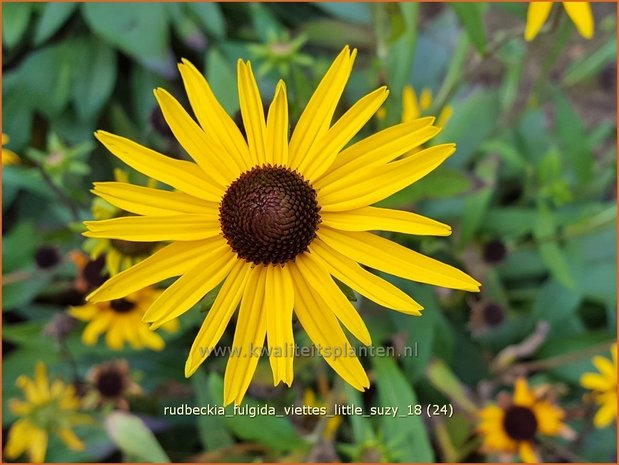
(48, 408)
(579, 13)
(8, 156)
(110, 384)
(121, 321)
(119, 254)
(274, 221)
(604, 387)
(485, 316)
(512, 426)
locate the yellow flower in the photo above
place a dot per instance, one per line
(119, 255)
(110, 383)
(273, 220)
(513, 426)
(604, 386)
(412, 108)
(121, 321)
(8, 156)
(579, 13)
(48, 408)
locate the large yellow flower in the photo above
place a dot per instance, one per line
(121, 321)
(513, 426)
(604, 386)
(48, 408)
(274, 221)
(579, 13)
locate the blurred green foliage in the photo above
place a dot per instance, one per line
(535, 172)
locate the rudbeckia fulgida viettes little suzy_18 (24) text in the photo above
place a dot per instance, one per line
(274, 220)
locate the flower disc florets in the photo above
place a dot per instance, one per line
(269, 215)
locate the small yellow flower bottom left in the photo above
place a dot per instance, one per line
(47, 408)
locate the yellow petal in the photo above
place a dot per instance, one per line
(537, 14)
(96, 327)
(606, 414)
(172, 260)
(372, 184)
(18, 439)
(316, 118)
(149, 338)
(212, 116)
(191, 287)
(252, 111)
(30, 390)
(19, 407)
(40, 380)
(218, 316)
(156, 228)
(410, 107)
(277, 128)
(325, 332)
(527, 452)
(318, 278)
(322, 154)
(605, 367)
(383, 219)
(522, 394)
(549, 418)
(279, 301)
(365, 283)
(70, 439)
(38, 445)
(156, 202)
(581, 16)
(390, 257)
(112, 261)
(183, 175)
(595, 382)
(248, 339)
(115, 337)
(379, 148)
(217, 166)
(444, 116)
(425, 100)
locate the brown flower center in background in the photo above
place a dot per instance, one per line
(269, 215)
(132, 249)
(110, 384)
(520, 423)
(122, 305)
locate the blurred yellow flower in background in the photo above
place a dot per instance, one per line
(8, 156)
(579, 12)
(48, 408)
(413, 107)
(513, 425)
(121, 321)
(604, 387)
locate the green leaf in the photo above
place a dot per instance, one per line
(138, 29)
(209, 14)
(472, 18)
(52, 19)
(275, 433)
(555, 304)
(211, 428)
(320, 32)
(590, 64)
(96, 68)
(552, 255)
(443, 379)
(18, 247)
(134, 438)
(512, 54)
(399, 61)
(15, 19)
(264, 23)
(574, 139)
(352, 12)
(362, 430)
(406, 437)
(220, 75)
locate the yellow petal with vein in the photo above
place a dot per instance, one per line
(172, 260)
(279, 301)
(191, 287)
(248, 339)
(372, 184)
(383, 219)
(325, 332)
(156, 228)
(580, 14)
(365, 283)
(218, 316)
(183, 175)
(252, 111)
(155, 202)
(384, 255)
(277, 127)
(537, 14)
(212, 116)
(318, 278)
